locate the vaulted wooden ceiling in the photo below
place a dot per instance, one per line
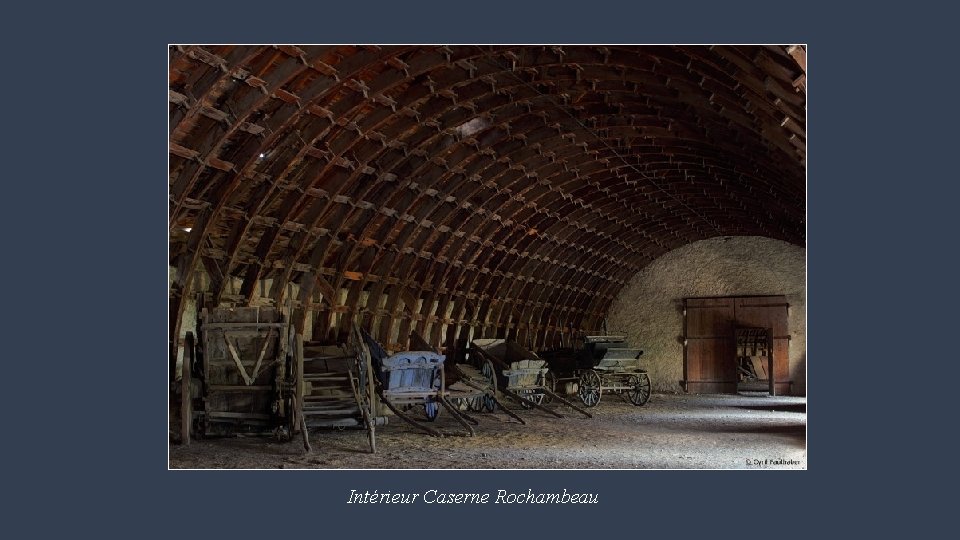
(511, 188)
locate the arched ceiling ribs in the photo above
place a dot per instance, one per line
(522, 185)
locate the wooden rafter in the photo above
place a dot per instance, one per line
(514, 189)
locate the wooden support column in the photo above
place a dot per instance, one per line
(770, 373)
(186, 403)
(298, 377)
(387, 322)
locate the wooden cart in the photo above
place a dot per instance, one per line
(469, 387)
(604, 364)
(520, 374)
(755, 360)
(247, 375)
(412, 379)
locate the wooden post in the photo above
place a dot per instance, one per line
(186, 403)
(770, 373)
(298, 378)
(686, 362)
(374, 403)
(300, 420)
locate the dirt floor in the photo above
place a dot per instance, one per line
(669, 432)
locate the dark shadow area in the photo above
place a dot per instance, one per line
(799, 429)
(333, 443)
(778, 407)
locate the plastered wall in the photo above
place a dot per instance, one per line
(649, 309)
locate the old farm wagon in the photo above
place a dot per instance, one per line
(251, 374)
(413, 379)
(245, 373)
(604, 363)
(519, 373)
(472, 387)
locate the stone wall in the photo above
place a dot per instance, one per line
(649, 308)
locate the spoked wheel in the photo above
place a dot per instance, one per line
(589, 388)
(476, 404)
(487, 370)
(639, 392)
(550, 382)
(432, 410)
(530, 396)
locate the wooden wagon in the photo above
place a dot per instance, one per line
(471, 387)
(605, 363)
(246, 373)
(520, 374)
(412, 379)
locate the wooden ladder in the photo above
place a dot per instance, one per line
(332, 391)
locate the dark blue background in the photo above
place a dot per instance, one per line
(85, 186)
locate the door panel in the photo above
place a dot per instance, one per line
(710, 348)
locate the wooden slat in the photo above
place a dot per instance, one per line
(239, 415)
(237, 388)
(264, 325)
(236, 359)
(298, 376)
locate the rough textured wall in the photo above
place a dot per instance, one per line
(649, 309)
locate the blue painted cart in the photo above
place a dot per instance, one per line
(413, 378)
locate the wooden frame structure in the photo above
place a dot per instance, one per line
(468, 190)
(338, 388)
(749, 342)
(248, 381)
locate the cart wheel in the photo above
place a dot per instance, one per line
(432, 410)
(549, 381)
(589, 388)
(487, 370)
(530, 396)
(476, 404)
(524, 397)
(639, 392)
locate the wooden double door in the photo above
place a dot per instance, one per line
(709, 352)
